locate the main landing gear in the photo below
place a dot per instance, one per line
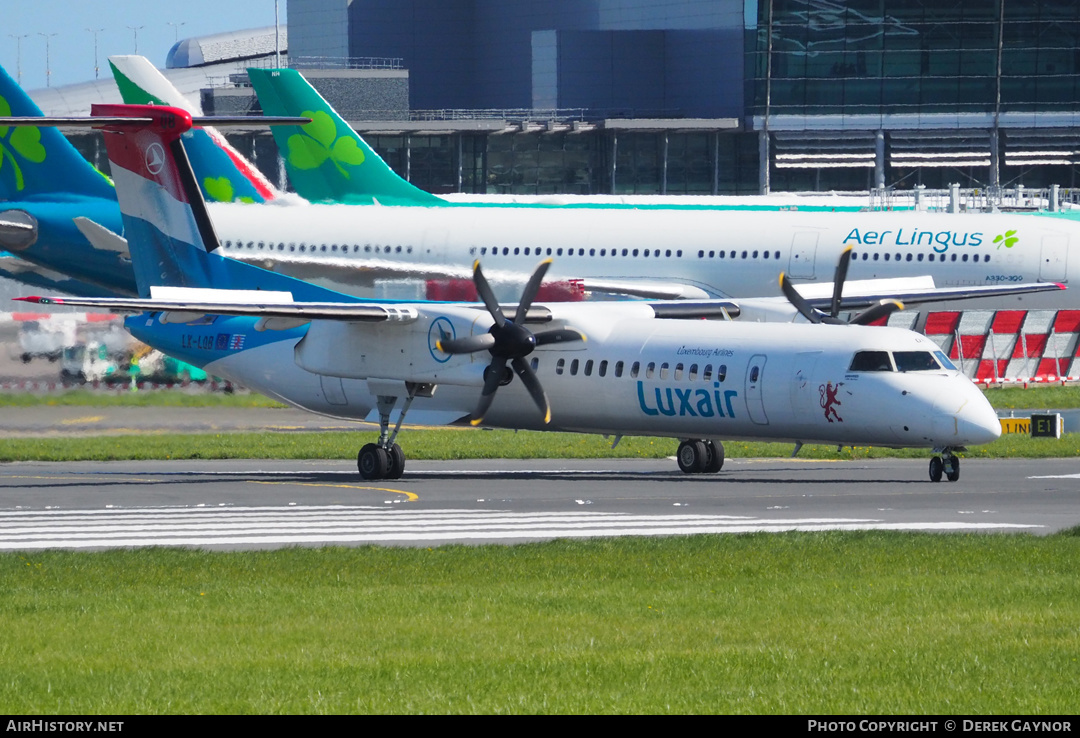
(947, 464)
(700, 456)
(384, 459)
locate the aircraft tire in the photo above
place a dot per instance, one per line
(937, 466)
(952, 468)
(396, 458)
(372, 462)
(715, 460)
(692, 456)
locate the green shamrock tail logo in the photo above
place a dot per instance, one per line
(319, 141)
(15, 143)
(1008, 240)
(219, 189)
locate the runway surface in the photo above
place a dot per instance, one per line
(268, 504)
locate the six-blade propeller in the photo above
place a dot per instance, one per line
(509, 341)
(811, 313)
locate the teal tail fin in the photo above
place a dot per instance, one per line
(326, 159)
(40, 161)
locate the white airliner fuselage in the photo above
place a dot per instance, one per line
(706, 252)
(635, 374)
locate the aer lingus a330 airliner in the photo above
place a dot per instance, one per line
(613, 368)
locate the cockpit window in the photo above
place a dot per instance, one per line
(916, 361)
(871, 361)
(944, 361)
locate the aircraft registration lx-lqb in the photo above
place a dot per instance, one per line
(611, 368)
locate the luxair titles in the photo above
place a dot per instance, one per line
(940, 241)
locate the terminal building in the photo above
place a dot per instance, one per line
(726, 97)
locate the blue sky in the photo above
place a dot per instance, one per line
(71, 50)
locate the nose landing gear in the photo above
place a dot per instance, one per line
(947, 464)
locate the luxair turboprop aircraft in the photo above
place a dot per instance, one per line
(50, 197)
(615, 368)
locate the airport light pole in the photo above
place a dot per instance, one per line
(176, 30)
(48, 69)
(135, 32)
(277, 36)
(95, 32)
(18, 54)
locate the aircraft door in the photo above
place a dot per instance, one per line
(755, 402)
(803, 253)
(804, 395)
(1052, 263)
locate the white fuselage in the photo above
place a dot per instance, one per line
(722, 253)
(634, 375)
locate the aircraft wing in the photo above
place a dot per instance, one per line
(650, 290)
(865, 296)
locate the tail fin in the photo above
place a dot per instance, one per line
(40, 161)
(166, 223)
(224, 175)
(326, 159)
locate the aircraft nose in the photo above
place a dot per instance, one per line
(978, 425)
(976, 421)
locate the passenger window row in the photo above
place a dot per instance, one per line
(651, 370)
(876, 256)
(323, 248)
(540, 251)
(537, 251)
(733, 254)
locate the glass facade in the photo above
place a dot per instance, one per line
(572, 163)
(914, 56)
(544, 163)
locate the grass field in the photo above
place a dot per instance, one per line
(848, 623)
(795, 623)
(454, 443)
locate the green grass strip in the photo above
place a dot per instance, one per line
(828, 623)
(142, 398)
(452, 443)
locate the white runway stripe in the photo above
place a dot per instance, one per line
(309, 525)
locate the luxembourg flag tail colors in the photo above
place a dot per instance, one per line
(165, 218)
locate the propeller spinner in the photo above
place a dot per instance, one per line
(811, 313)
(509, 341)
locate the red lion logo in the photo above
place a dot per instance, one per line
(829, 400)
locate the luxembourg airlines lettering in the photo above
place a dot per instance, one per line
(940, 241)
(691, 402)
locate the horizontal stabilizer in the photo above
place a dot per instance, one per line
(345, 311)
(101, 237)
